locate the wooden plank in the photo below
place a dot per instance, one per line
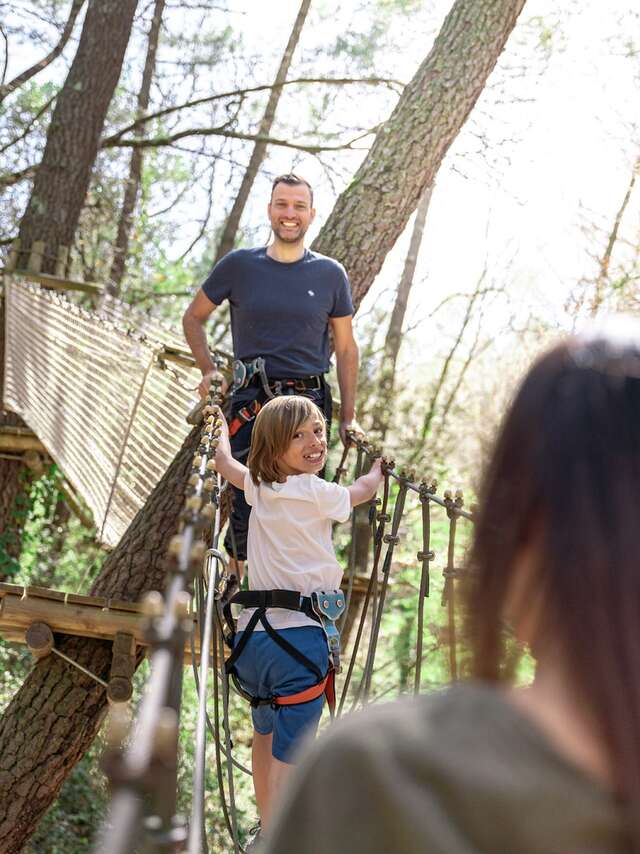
(44, 593)
(59, 284)
(121, 605)
(7, 589)
(81, 620)
(91, 601)
(13, 636)
(14, 442)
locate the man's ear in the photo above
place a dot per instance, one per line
(312, 214)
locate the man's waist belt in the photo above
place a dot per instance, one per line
(283, 386)
(253, 372)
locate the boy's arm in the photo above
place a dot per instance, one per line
(366, 486)
(230, 469)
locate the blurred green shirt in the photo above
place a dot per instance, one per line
(459, 772)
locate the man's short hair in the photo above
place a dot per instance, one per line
(292, 180)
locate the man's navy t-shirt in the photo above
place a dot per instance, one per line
(281, 311)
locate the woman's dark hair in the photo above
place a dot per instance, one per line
(564, 478)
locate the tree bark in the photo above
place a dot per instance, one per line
(55, 716)
(57, 712)
(260, 148)
(63, 176)
(132, 186)
(408, 149)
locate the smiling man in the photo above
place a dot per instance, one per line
(284, 298)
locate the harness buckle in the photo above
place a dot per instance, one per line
(329, 605)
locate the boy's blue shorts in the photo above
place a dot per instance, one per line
(265, 669)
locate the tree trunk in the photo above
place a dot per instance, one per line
(63, 176)
(408, 149)
(57, 712)
(55, 716)
(393, 340)
(132, 187)
(383, 411)
(260, 148)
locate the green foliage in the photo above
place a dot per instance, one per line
(57, 550)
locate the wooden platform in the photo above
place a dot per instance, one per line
(80, 616)
(71, 614)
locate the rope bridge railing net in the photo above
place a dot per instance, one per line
(101, 391)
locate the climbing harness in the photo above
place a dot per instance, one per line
(323, 606)
(253, 372)
(245, 372)
(244, 416)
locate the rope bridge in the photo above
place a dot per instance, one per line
(91, 385)
(105, 391)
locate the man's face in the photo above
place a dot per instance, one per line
(290, 212)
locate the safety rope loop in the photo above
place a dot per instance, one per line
(382, 518)
(425, 555)
(342, 465)
(453, 507)
(392, 539)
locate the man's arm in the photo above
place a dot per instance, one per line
(193, 323)
(347, 357)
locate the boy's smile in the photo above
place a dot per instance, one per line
(308, 449)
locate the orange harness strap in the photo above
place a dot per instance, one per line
(326, 686)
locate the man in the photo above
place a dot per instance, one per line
(284, 299)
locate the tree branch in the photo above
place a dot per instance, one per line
(15, 177)
(30, 125)
(12, 85)
(335, 81)
(159, 141)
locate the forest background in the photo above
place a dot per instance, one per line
(531, 227)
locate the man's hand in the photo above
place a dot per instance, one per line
(353, 425)
(207, 378)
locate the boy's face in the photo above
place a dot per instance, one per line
(307, 452)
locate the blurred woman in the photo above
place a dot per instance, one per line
(552, 768)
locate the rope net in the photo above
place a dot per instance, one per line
(64, 364)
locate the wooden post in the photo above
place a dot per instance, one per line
(34, 264)
(12, 257)
(123, 665)
(61, 262)
(39, 640)
(34, 462)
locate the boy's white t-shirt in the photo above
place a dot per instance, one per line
(289, 545)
